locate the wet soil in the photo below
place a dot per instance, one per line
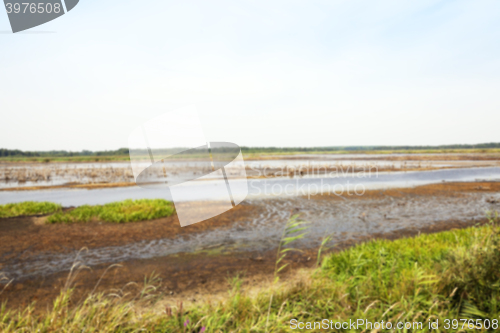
(28, 235)
(444, 189)
(70, 185)
(187, 278)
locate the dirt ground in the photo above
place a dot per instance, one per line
(30, 234)
(70, 185)
(188, 278)
(185, 277)
(445, 189)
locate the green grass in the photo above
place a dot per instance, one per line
(28, 208)
(448, 275)
(116, 212)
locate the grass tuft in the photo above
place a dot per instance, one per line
(28, 208)
(117, 212)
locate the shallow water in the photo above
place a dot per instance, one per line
(52, 174)
(258, 188)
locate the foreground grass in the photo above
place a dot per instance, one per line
(117, 212)
(28, 208)
(448, 275)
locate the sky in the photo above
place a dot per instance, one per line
(260, 73)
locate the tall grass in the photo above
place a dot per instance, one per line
(28, 208)
(293, 231)
(101, 312)
(447, 275)
(117, 212)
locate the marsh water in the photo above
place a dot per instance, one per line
(18, 175)
(259, 188)
(275, 198)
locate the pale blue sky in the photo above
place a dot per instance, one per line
(262, 73)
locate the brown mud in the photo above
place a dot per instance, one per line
(187, 278)
(70, 185)
(444, 189)
(28, 235)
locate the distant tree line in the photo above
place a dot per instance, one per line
(61, 153)
(125, 151)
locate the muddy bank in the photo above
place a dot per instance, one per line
(443, 189)
(69, 186)
(26, 236)
(29, 248)
(187, 278)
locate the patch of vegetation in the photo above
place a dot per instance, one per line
(28, 208)
(436, 277)
(116, 212)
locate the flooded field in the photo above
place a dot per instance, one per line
(260, 188)
(39, 175)
(260, 228)
(396, 198)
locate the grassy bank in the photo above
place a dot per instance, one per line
(28, 208)
(116, 212)
(448, 275)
